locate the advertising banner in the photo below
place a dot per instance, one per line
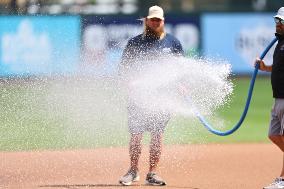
(237, 38)
(39, 45)
(104, 38)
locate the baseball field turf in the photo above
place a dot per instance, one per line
(31, 118)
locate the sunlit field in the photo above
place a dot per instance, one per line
(31, 119)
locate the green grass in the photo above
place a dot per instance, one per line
(31, 121)
(253, 129)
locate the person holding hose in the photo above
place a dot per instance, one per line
(276, 128)
(153, 44)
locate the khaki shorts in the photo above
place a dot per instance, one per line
(140, 120)
(277, 118)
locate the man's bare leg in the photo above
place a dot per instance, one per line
(135, 148)
(155, 151)
(279, 141)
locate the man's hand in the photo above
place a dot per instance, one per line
(262, 65)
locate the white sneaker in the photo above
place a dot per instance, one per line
(154, 179)
(277, 184)
(129, 177)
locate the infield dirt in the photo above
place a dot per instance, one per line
(213, 166)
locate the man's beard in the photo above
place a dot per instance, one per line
(279, 31)
(154, 33)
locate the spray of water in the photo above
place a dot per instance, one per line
(181, 86)
(88, 111)
(96, 106)
(92, 109)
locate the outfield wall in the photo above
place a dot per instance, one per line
(39, 45)
(49, 45)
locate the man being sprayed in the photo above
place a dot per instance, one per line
(153, 44)
(277, 80)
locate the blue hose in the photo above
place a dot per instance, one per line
(225, 133)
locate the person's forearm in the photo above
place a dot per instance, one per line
(268, 68)
(264, 67)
